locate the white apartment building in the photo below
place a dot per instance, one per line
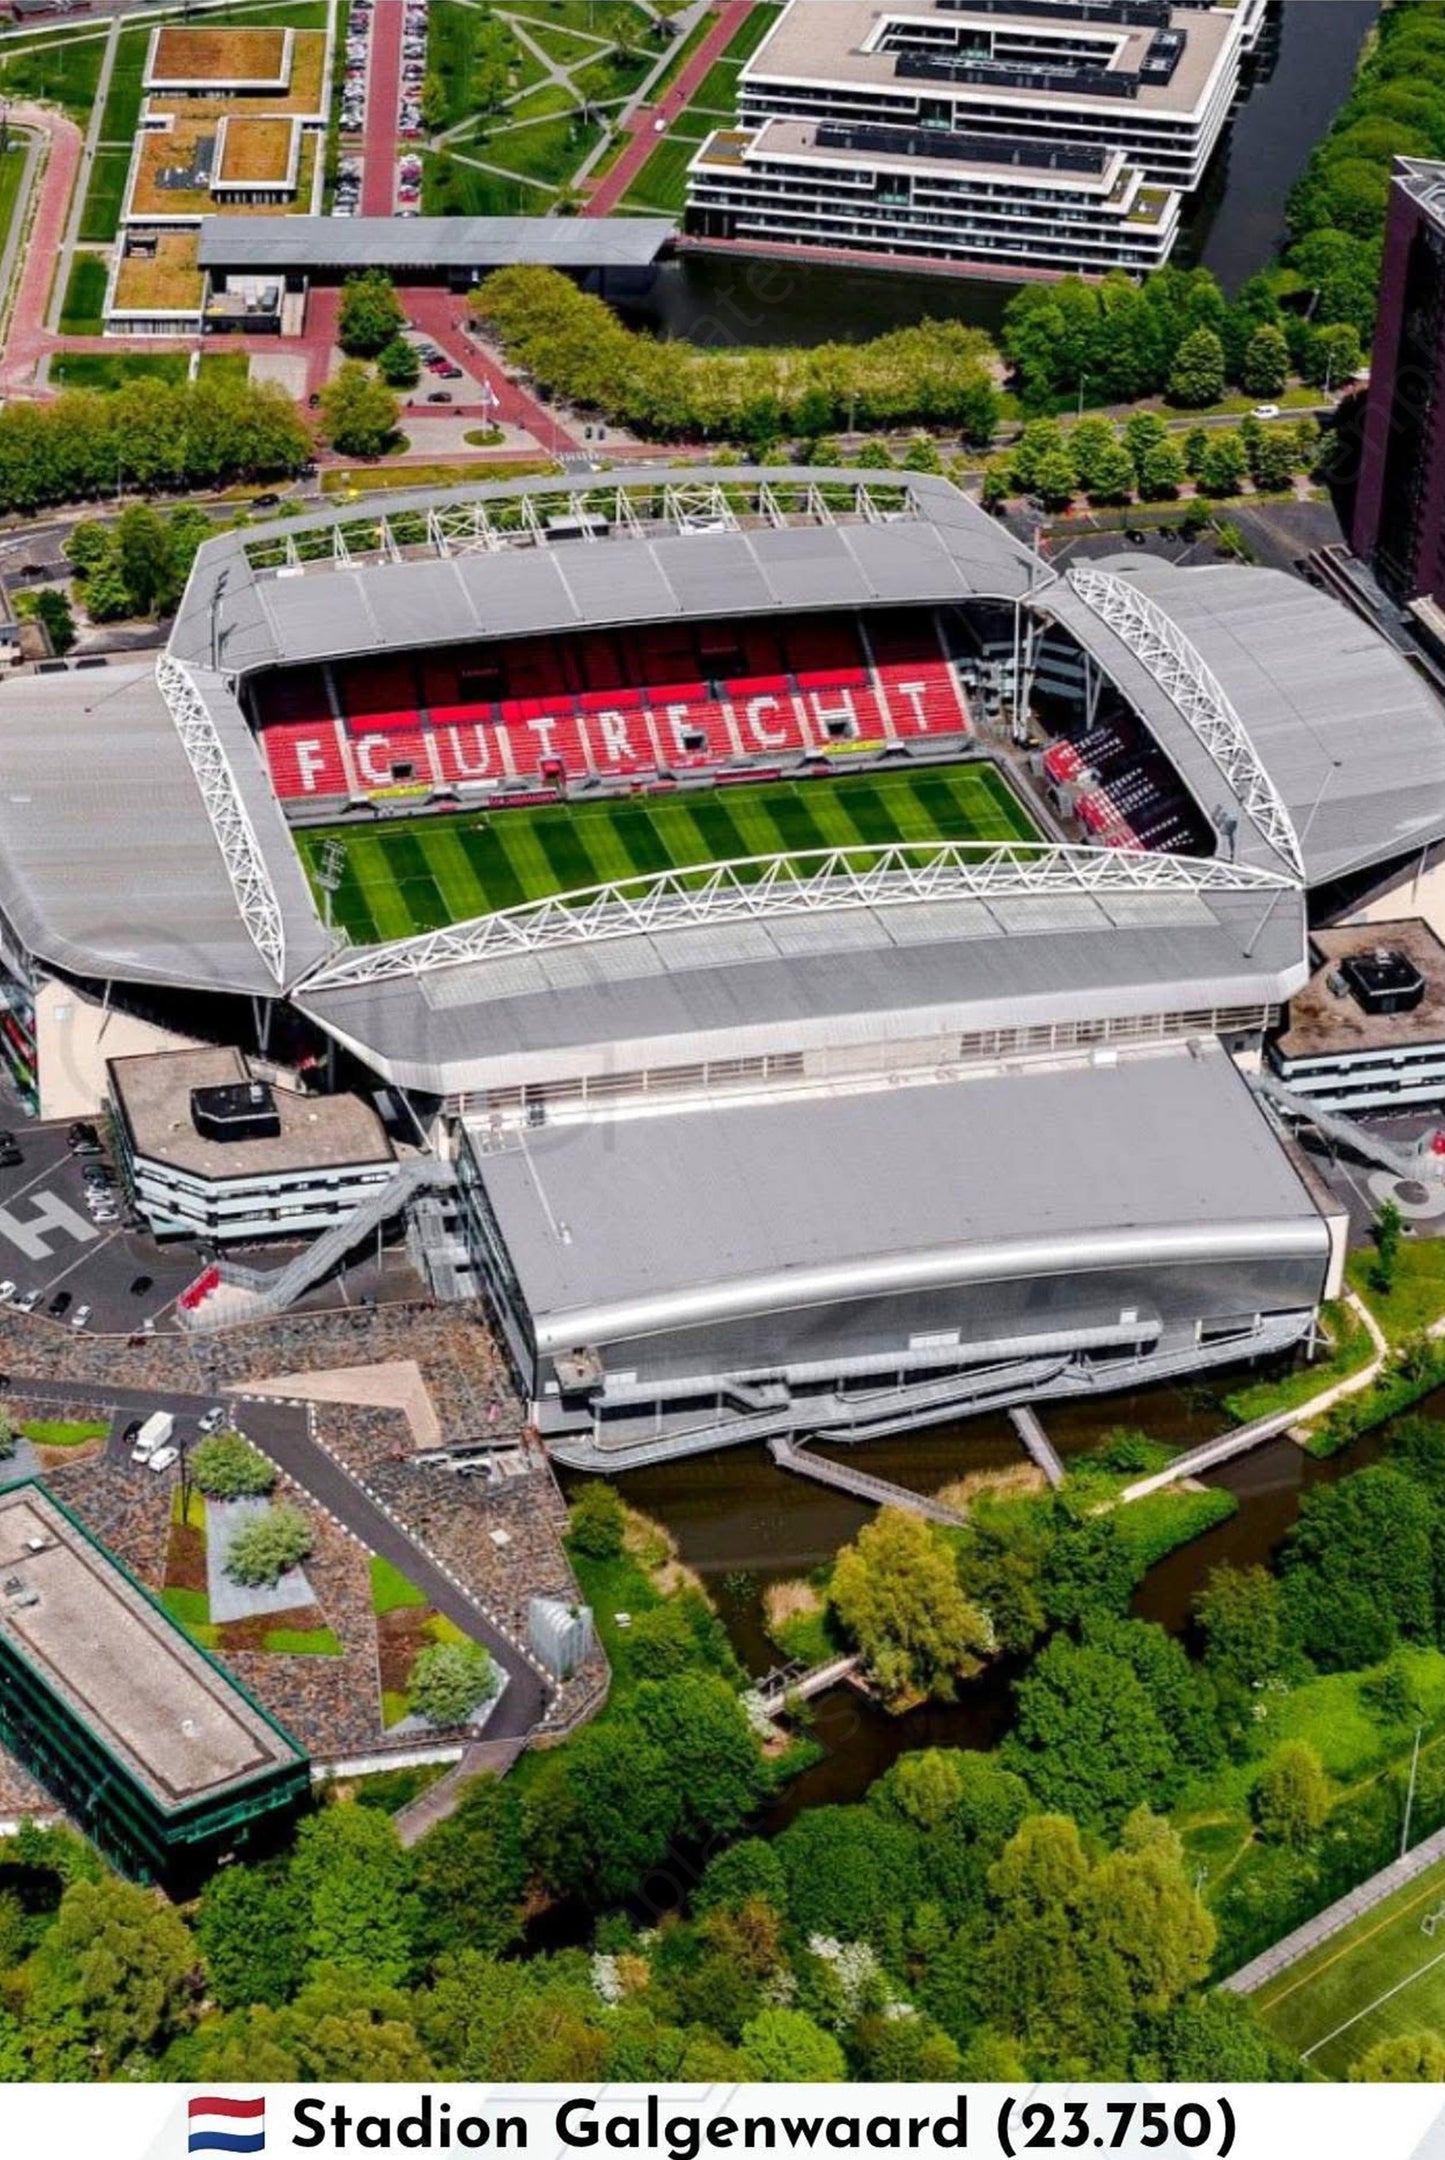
(1052, 135)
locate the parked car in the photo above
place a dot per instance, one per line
(10, 1158)
(60, 1304)
(439, 397)
(1265, 412)
(132, 1432)
(214, 1419)
(28, 1302)
(7, 1291)
(164, 1458)
(141, 1284)
(80, 1318)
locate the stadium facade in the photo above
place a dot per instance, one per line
(835, 1138)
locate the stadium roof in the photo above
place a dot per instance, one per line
(619, 1227)
(419, 570)
(1350, 735)
(109, 864)
(852, 976)
(431, 243)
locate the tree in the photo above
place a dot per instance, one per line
(262, 1551)
(1332, 356)
(851, 1872)
(1223, 465)
(1358, 1569)
(399, 364)
(597, 1521)
(1089, 1742)
(227, 1467)
(743, 1874)
(1147, 1913)
(1113, 480)
(785, 2047)
(1212, 2038)
(1240, 1614)
(450, 1680)
(342, 2026)
(1161, 472)
(53, 609)
(896, 1594)
(1272, 458)
(1266, 362)
(111, 1981)
(1291, 1795)
(353, 1882)
(471, 1873)
(1042, 1971)
(1389, 1227)
(370, 315)
(1404, 2059)
(1197, 376)
(358, 412)
(250, 1928)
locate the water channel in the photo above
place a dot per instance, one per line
(1236, 222)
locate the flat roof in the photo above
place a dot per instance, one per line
(848, 977)
(109, 865)
(1002, 159)
(626, 1226)
(169, 1716)
(317, 1131)
(432, 243)
(827, 41)
(218, 57)
(1351, 735)
(1323, 1025)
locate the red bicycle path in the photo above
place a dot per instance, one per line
(383, 92)
(646, 134)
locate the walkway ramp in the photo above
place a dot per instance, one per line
(1037, 1443)
(788, 1455)
(1414, 1159)
(272, 1290)
(777, 1690)
(442, 1799)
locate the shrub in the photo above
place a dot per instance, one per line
(597, 1523)
(262, 1551)
(227, 1467)
(1291, 1796)
(448, 1681)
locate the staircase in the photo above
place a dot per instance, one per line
(1422, 1159)
(245, 1293)
(881, 1491)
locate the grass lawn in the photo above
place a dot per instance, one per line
(451, 188)
(121, 118)
(546, 150)
(1381, 1976)
(80, 314)
(66, 73)
(390, 1590)
(225, 367)
(303, 1642)
(662, 182)
(613, 75)
(758, 22)
(60, 1432)
(111, 371)
(563, 46)
(415, 875)
(105, 195)
(718, 90)
(1418, 1297)
(610, 20)
(12, 172)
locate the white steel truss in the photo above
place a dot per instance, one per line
(635, 510)
(235, 835)
(1197, 695)
(813, 882)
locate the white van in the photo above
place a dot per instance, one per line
(155, 1432)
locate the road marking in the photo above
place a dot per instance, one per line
(1408, 1981)
(1348, 1949)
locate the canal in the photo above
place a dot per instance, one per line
(742, 1524)
(1236, 223)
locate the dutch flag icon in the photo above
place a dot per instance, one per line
(218, 2125)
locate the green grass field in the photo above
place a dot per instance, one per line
(420, 873)
(1381, 1976)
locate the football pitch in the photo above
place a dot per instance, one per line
(1382, 1975)
(420, 873)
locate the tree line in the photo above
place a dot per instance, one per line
(88, 444)
(576, 349)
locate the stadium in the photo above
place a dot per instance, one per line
(817, 950)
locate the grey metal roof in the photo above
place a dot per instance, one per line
(854, 977)
(108, 863)
(325, 610)
(1352, 737)
(727, 1210)
(430, 243)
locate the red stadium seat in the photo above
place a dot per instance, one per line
(387, 758)
(922, 698)
(470, 750)
(306, 761)
(691, 732)
(620, 736)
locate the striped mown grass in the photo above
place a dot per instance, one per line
(417, 874)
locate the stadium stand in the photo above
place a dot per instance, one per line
(638, 706)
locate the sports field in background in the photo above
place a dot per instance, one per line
(1384, 1974)
(418, 873)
